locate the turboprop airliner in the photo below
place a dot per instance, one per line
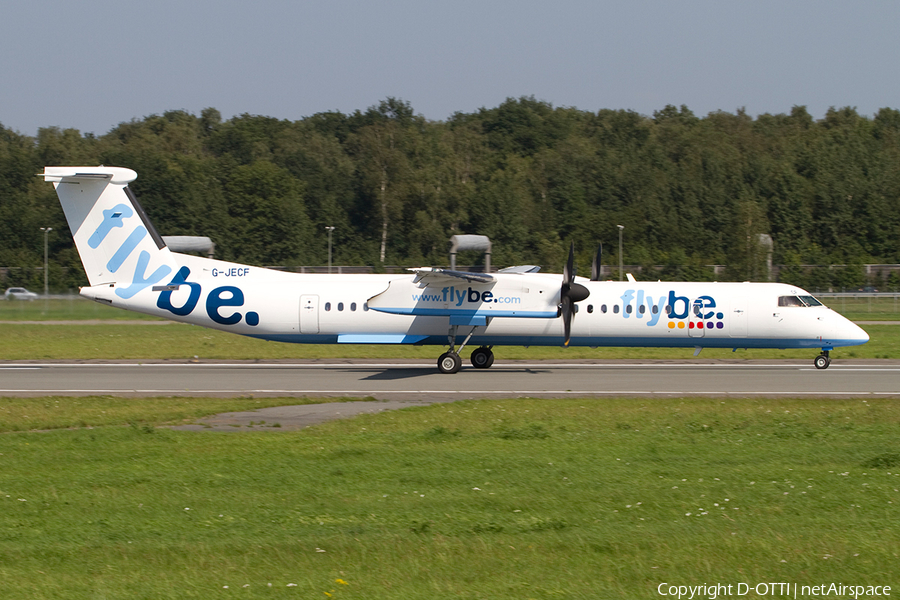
(128, 265)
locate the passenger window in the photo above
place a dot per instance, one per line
(655, 309)
(365, 306)
(340, 306)
(616, 309)
(628, 309)
(327, 306)
(603, 308)
(353, 306)
(590, 308)
(642, 309)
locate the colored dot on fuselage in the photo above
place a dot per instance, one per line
(671, 324)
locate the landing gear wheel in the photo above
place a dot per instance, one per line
(822, 361)
(449, 362)
(482, 358)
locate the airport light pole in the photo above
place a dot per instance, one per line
(621, 262)
(46, 231)
(329, 229)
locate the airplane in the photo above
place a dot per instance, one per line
(129, 266)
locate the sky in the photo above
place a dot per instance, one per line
(92, 64)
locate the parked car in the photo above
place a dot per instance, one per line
(19, 293)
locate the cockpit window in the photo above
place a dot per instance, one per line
(789, 301)
(798, 301)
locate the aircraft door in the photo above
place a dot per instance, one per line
(309, 313)
(737, 318)
(696, 326)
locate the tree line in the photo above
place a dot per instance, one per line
(690, 191)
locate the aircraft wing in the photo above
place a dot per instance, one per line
(434, 276)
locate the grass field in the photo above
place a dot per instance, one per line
(59, 412)
(72, 308)
(575, 498)
(866, 307)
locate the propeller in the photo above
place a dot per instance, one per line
(595, 266)
(570, 293)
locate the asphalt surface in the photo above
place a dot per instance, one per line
(408, 383)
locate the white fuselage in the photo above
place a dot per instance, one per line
(516, 309)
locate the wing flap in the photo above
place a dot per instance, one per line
(435, 276)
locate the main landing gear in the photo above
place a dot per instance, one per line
(823, 360)
(482, 358)
(450, 362)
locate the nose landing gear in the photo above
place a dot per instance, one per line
(823, 360)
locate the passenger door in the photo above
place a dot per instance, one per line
(696, 328)
(737, 318)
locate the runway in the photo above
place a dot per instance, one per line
(421, 382)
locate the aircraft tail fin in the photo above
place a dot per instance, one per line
(116, 241)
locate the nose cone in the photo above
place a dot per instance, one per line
(847, 333)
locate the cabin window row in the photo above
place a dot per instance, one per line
(340, 306)
(628, 309)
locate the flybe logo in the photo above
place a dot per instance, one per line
(218, 299)
(115, 218)
(702, 310)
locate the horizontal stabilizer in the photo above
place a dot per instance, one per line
(116, 175)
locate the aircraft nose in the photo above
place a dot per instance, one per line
(850, 333)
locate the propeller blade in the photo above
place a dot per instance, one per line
(567, 314)
(569, 293)
(569, 270)
(595, 266)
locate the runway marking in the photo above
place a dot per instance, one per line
(855, 369)
(535, 365)
(458, 392)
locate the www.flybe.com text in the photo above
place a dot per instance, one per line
(457, 297)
